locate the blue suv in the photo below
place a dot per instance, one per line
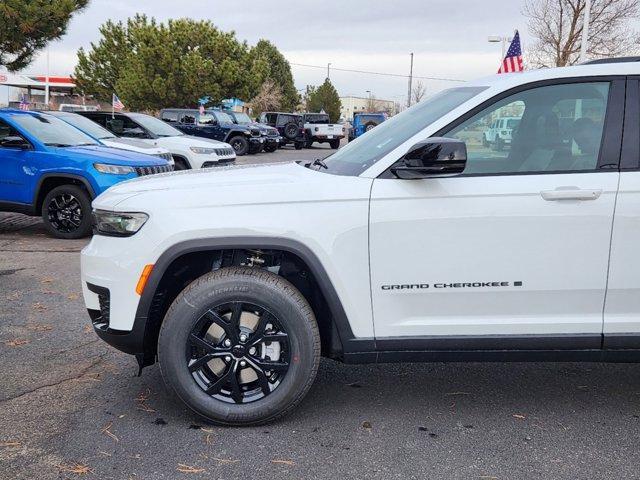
(52, 169)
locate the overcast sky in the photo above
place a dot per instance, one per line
(448, 37)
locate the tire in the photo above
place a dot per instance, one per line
(369, 126)
(308, 144)
(291, 131)
(498, 144)
(298, 145)
(240, 145)
(181, 164)
(270, 148)
(335, 144)
(290, 317)
(66, 212)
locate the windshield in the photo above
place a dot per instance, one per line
(364, 151)
(223, 117)
(52, 131)
(513, 123)
(242, 118)
(156, 126)
(87, 126)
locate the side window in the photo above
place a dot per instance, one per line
(8, 133)
(125, 127)
(188, 119)
(544, 129)
(169, 116)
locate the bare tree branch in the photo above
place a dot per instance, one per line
(557, 26)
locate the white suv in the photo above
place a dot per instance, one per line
(413, 243)
(187, 151)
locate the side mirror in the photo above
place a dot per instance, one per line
(433, 157)
(15, 142)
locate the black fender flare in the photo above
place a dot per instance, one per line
(350, 344)
(73, 176)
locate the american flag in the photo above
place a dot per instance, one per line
(116, 103)
(24, 103)
(513, 60)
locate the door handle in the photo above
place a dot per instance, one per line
(570, 193)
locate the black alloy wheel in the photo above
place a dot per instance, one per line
(66, 212)
(239, 346)
(233, 362)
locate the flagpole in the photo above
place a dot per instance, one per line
(113, 113)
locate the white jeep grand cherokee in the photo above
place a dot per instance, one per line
(415, 242)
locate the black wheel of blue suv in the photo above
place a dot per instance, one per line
(66, 212)
(240, 145)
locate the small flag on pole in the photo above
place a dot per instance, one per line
(24, 103)
(513, 60)
(116, 103)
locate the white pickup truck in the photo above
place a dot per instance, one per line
(318, 128)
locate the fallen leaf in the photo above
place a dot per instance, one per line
(107, 431)
(87, 329)
(77, 468)
(72, 296)
(10, 444)
(39, 306)
(46, 280)
(16, 342)
(189, 469)
(39, 327)
(284, 462)
(518, 416)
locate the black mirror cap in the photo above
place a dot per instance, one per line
(16, 142)
(433, 157)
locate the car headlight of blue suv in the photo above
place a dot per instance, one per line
(114, 169)
(118, 224)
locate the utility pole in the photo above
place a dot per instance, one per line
(410, 82)
(328, 71)
(585, 31)
(46, 83)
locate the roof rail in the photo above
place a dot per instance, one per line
(600, 61)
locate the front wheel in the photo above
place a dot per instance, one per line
(270, 148)
(298, 145)
(335, 144)
(66, 212)
(240, 346)
(240, 145)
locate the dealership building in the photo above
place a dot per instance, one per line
(33, 88)
(351, 105)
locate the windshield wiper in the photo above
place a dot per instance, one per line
(320, 162)
(53, 144)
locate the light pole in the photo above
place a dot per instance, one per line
(328, 71)
(497, 39)
(46, 83)
(585, 31)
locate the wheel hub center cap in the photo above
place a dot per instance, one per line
(238, 351)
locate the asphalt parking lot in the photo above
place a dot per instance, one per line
(72, 407)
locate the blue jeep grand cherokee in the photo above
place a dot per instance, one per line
(52, 169)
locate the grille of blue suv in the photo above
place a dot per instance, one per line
(142, 171)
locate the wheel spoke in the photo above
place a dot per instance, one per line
(274, 337)
(270, 365)
(216, 386)
(202, 343)
(199, 363)
(228, 328)
(236, 393)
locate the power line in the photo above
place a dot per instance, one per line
(385, 74)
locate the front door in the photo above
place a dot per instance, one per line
(515, 250)
(16, 172)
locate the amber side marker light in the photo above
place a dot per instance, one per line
(144, 276)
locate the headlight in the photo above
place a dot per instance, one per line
(113, 169)
(118, 224)
(203, 151)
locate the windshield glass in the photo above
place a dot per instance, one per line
(513, 123)
(364, 151)
(87, 126)
(242, 118)
(52, 131)
(156, 126)
(223, 117)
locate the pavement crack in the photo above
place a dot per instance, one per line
(79, 374)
